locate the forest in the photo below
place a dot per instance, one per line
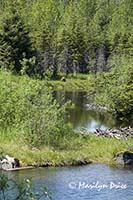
(49, 37)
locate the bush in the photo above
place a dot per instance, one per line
(9, 189)
(28, 106)
(115, 88)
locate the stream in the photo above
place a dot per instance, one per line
(84, 118)
(90, 182)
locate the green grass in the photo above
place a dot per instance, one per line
(84, 82)
(71, 84)
(85, 148)
(79, 76)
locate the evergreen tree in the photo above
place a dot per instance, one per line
(14, 42)
(69, 36)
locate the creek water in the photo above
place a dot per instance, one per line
(82, 116)
(90, 182)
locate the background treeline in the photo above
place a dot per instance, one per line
(48, 37)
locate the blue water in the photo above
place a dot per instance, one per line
(90, 182)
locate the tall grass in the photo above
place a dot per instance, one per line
(8, 135)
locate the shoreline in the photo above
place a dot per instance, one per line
(116, 165)
(84, 150)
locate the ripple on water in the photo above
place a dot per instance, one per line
(74, 183)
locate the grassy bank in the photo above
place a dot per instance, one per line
(84, 83)
(83, 148)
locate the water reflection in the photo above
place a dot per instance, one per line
(81, 116)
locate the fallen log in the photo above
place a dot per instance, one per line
(19, 168)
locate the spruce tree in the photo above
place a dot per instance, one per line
(14, 42)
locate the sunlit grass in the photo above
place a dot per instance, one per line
(87, 148)
(71, 84)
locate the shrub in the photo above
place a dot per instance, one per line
(115, 88)
(28, 106)
(9, 189)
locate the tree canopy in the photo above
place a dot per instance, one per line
(67, 36)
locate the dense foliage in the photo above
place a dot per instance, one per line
(67, 36)
(115, 88)
(15, 45)
(27, 106)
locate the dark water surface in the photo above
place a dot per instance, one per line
(82, 117)
(90, 182)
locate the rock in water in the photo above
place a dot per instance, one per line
(124, 158)
(9, 162)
